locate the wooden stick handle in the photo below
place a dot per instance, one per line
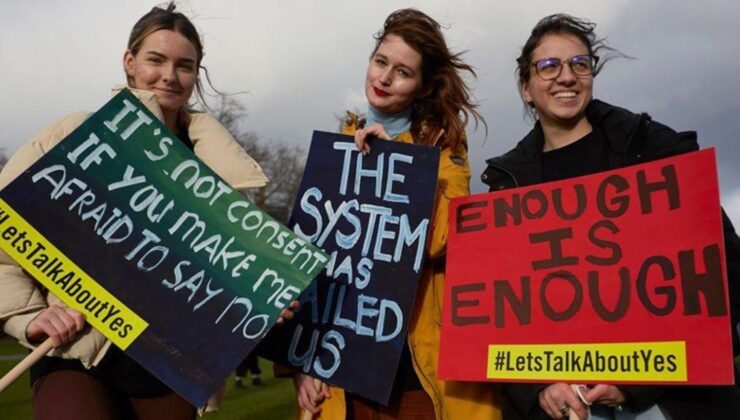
(307, 415)
(25, 364)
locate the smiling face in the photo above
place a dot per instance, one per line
(393, 80)
(166, 64)
(563, 100)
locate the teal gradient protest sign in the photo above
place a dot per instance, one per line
(372, 214)
(123, 222)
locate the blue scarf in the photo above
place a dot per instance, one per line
(394, 124)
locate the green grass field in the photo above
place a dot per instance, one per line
(273, 400)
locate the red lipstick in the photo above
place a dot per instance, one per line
(380, 92)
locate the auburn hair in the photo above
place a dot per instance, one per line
(439, 116)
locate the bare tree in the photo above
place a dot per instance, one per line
(282, 163)
(3, 158)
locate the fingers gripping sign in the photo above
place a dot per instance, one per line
(61, 324)
(288, 313)
(363, 135)
(559, 400)
(311, 394)
(609, 395)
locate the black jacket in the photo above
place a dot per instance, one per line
(631, 139)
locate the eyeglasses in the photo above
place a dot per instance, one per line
(580, 65)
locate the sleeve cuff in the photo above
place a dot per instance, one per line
(16, 326)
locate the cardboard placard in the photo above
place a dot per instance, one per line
(371, 214)
(122, 222)
(616, 277)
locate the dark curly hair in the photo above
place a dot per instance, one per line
(562, 23)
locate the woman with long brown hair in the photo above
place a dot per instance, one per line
(416, 94)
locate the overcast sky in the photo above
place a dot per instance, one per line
(302, 62)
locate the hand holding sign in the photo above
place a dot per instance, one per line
(59, 324)
(310, 393)
(288, 313)
(559, 400)
(56, 326)
(363, 135)
(606, 394)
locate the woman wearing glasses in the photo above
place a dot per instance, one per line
(576, 135)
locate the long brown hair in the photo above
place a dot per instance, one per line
(439, 116)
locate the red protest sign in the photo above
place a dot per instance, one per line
(615, 277)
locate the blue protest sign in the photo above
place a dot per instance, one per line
(371, 214)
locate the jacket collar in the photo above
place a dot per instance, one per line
(523, 163)
(353, 122)
(618, 125)
(149, 99)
